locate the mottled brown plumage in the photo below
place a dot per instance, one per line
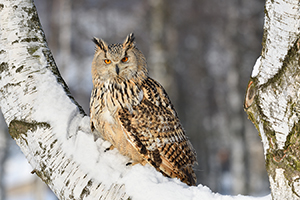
(135, 114)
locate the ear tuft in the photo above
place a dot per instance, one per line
(100, 44)
(129, 41)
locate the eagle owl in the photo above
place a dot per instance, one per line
(134, 113)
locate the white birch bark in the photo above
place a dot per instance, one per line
(41, 115)
(273, 99)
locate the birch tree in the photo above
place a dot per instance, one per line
(273, 97)
(43, 118)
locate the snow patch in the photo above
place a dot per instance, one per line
(50, 101)
(141, 178)
(255, 70)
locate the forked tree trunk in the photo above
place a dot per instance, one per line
(273, 97)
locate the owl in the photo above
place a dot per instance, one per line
(134, 113)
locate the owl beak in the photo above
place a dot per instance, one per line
(117, 70)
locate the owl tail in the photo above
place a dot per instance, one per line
(189, 176)
(185, 174)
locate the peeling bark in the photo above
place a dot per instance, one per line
(272, 100)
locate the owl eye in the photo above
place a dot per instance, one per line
(107, 61)
(124, 59)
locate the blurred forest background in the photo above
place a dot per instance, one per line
(201, 51)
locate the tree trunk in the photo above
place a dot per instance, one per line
(43, 118)
(273, 101)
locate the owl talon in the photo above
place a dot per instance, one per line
(109, 148)
(134, 163)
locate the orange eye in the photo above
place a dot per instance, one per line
(124, 59)
(107, 61)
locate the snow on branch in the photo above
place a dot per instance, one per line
(52, 130)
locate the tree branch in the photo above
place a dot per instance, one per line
(46, 122)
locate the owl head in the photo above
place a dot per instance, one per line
(118, 62)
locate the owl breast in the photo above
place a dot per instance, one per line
(108, 100)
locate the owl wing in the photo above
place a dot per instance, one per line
(153, 128)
